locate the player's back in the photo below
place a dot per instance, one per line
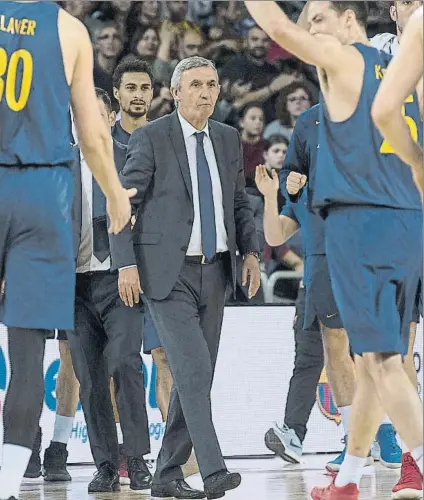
(34, 93)
(355, 166)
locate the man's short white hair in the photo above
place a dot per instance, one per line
(189, 63)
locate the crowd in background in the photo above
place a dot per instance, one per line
(264, 88)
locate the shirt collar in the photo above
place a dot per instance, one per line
(188, 129)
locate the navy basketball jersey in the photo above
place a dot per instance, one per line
(34, 93)
(355, 165)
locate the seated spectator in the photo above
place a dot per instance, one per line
(145, 44)
(144, 14)
(189, 43)
(177, 11)
(251, 128)
(118, 11)
(248, 77)
(108, 46)
(292, 102)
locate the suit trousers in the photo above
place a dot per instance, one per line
(188, 323)
(107, 343)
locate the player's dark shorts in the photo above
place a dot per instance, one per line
(418, 303)
(57, 335)
(375, 261)
(150, 337)
(320, 301)
(36, 248)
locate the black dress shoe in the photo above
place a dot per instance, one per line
(217, 484)
(139, 474)
(105, 480)
(178, 489)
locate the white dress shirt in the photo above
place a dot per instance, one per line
(195, 245)
(86, 261)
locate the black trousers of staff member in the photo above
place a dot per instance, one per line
(308, 365)
(107, 343)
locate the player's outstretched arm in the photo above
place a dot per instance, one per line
(93, 135)
(400, 80)
(320, 50)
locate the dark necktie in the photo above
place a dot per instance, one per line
(207, 210)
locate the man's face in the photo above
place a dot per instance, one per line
(401, 11)
(191, 44)
(197, 93)
(324, 20)
(108, 118)
(78, 9)
(258, 43)
(109, 42)
(135, 94)
(253, 122)
(178, 9)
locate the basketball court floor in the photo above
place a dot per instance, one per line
(263, 479)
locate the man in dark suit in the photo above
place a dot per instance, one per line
(106, 343)
(192, 215)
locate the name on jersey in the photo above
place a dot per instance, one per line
(17, 26)
(379, 71)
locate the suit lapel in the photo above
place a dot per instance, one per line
(178, 143)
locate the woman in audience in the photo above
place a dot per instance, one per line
(292, 102)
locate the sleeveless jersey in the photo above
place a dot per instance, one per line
(355, 165)
(34, 93)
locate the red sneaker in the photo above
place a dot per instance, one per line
(123, 472)
(410, 484)
(332, 492)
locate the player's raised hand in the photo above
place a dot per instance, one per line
(295, 182)
(267, 185)
(119, 209)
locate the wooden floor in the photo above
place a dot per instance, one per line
(265, 479)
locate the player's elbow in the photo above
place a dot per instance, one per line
(381, 112)
(95, 143)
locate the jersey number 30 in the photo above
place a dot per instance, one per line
(9, 71)
(386, 148)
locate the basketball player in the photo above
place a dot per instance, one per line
(404, 74)
(375, 264)
(36, 250)
(320, 303)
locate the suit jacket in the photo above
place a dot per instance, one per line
(100, 230)
(157, 166)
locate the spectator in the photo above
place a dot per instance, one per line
(118, 11)
(248, 77)
(189, 43)
(78, 9)
(251, 127)
(145, 44)
(275, 152)
(108, 46)
(144, 14)
(292, 102)
(177, 16)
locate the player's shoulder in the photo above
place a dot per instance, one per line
(71, 28)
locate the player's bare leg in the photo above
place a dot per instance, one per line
(408, 363)
(67, 396)
(164, 384)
